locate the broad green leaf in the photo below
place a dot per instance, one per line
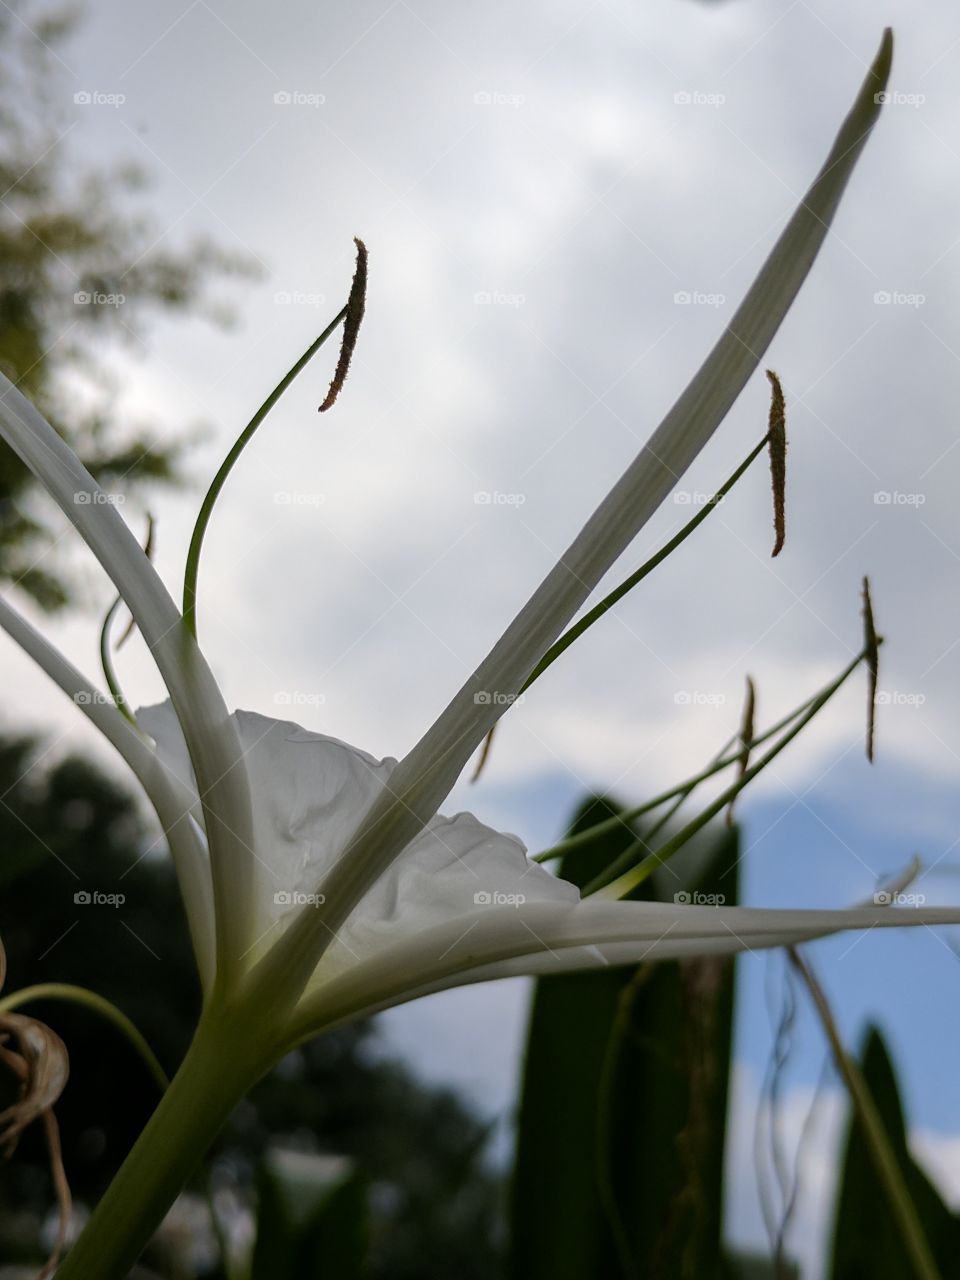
(619, 1161)
(866, 1242)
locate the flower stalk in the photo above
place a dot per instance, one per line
(223, 1063)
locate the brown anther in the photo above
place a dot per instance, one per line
(351, 325)
(871, 645)
(777, 445)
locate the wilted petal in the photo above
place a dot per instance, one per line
(41, 1065)
(43, 1069)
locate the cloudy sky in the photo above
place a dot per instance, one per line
(563, 203)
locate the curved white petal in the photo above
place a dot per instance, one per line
(172, 802)
(427, 773)
(462, 903)
(309, 792)
(213, 744)
(542, 939)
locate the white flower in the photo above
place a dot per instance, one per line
(461, 903)
(320, 883)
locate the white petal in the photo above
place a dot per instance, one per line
(171, 801)
(309, 793)
(544, 939)
(213, 744)
(428, 772)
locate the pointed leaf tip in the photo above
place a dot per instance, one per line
(356, 304)
(871, 644)
(777, 445)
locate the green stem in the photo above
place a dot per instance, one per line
(106, 662)
(583, 840)
(617, 594)
(90, 999)
(884, 1161)
(220, 479)
(629, 880)
(219, 1068)
(629, 855)
(648, 566)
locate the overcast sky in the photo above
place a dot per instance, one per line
(540, 188)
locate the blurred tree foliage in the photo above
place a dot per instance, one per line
(65, 828)
(72, 232)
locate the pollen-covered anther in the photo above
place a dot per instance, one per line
(356, 303)
(871, 645)
(777, 445)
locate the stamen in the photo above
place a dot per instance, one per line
(106, 660)
(351, 325)
(148, 547)
(777, 444)
(484, 753)
(745, 737)
(871, 644)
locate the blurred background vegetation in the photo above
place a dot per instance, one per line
(81, 267)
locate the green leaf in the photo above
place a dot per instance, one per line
(867, 1244)
(619, 1160)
